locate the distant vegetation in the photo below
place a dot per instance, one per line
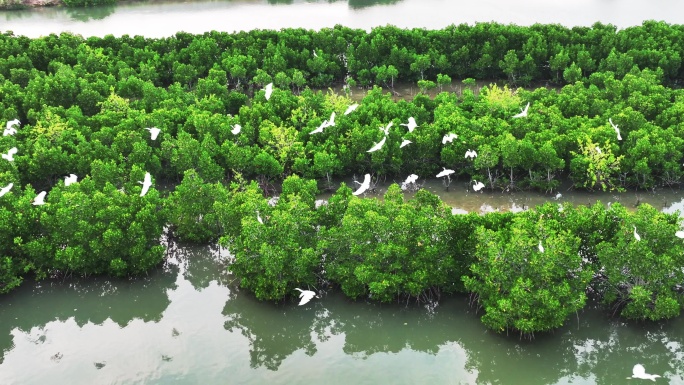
(84, 103)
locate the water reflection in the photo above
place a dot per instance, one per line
(90, 13)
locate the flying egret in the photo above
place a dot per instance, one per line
(331, 121)
(71, 179)
(615, 127)
(405, 142)
(236, 129)
(376, 146)
(269, 90)
(411, 124)
(10, 154)
(445, 172)
(6, 189)
(523, 112)
(154, 132)
(364, 186)
(39, 199)
(351, 109)
(541, 248)
(471, 154)
(449, 138)
(478, 186)
(305, 296)
(386, 128)
(320, 128)
(640, 372)
(678, 234)
(636, 235)
(146, 183)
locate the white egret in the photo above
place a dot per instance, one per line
(71, 179)
(411, 124)
(445, 172)
(411, 179)
(449, 138)
(558, 196)
(640, 372)
(10, 154)
(320, 128)
(615, 127)
(259, 218)
(523, 112)
(9, 131)
(269, 90)
(305, 296)
(146, 183)
(39, 199)
(236, 129)
(598, 149)
(364, 186)
(478, 186)
(636, 235)
(12, 123)
(331, 122)
(386, 128)
(471, 154)
(405, 142)
(314, 53)
(154, 132)
(351, 109)
(376, 146)
(6, 189)
(541, 248)
(678, 234)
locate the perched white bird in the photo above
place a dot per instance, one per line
(146, 183)
(636, 235)
(558, 196)
(9, 131)
(71, 179)
(405, 142)
(449, 138)
(314, 53)
(12, 123)
(541, 248)
(269, 90)
(523, 112)
(640, 372)
(364, 186)
(411, 179)
(154, 132)
(615, 127)
(39, 199)
(471, 154)
(478, 186)
(259, 218)
(6, 189)
(376, 146)
(236, 129)
(386, 128)
(351, 109)
(305, 296)
(678, 234)
(598, 149)
(411, 124)
(445, 172)
(10, 154)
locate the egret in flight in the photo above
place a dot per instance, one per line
(10, 154)
(478, 185)
(154, 132)
(405, 142)
(411, 124)
(305, 296)
(320, 128)
(331, 121)
(541, 248)
(449, 138)
(351, 109)
(6, 189)
(236, 129)
(364, 186)
(39, 199)
(615, 127)
(523, 112)
(471, 154)
(71, 179)
(376, 146)
(445, 172)
(269, 90)
(386, 128)
(146, 183)
(636, 235)
(640, 372)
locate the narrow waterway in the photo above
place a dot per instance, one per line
(165, 18)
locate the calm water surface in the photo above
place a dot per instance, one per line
(159, 19)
